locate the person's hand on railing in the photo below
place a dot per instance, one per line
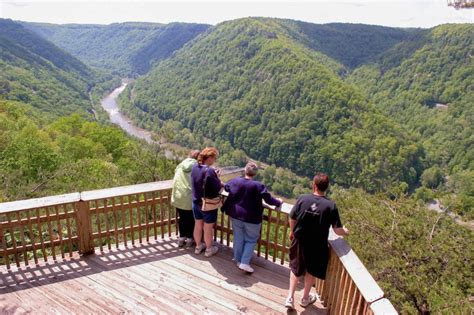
(281, 204)
(341, 231)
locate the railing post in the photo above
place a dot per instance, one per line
(84, 228)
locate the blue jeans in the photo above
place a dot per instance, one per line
(246, 236)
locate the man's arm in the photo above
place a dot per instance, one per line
(341, 231)
(292, 228)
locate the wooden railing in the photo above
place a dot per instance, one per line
(44, 229)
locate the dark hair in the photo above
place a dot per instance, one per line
(321, 181)
(207, 153)
(194, 154)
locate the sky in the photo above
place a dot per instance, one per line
(402, 13)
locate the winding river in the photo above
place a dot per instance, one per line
(109, 103)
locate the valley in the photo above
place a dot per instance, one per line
(355, 101)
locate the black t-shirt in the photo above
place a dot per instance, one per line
(314, 215)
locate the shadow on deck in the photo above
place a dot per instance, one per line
(148, 278)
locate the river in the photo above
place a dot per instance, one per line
(109, 103)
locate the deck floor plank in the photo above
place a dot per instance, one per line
(149, 278)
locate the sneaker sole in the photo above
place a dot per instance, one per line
(306, 305)
(209, 255)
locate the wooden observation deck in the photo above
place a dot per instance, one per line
(114, 251)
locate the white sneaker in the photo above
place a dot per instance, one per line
(199, 248)
(181, 241)
(236, 262)
(189, 242)
(290, 303)
(211, 251)
(246, 268)
(309, 300)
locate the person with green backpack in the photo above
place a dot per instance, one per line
(181, 199)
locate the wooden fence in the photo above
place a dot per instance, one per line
(49, 228)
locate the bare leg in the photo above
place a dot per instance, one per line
(293, 284)
(308, 284)
(208, 234)
(198, 226)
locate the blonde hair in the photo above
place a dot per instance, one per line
(207, 153)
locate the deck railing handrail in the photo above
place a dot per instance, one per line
(138, 212)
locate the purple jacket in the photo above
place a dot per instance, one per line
(213, 183)
(245, 200)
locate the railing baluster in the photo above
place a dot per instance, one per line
(228, 230)
(222, 226)
(50, 231)
(122, 214)
(40, 229)
(22, 238)
(334, 291)
(107, 223)
(114, 212)
(12, 235)
(359, 304)
(32, 236)
(267, 236)
(342, 291)
(285, 232)
(275, 238)
(350, 297)
(259, 243)
(176, 225)
(162, 220)
(139, 218)
(168, 206)
(60, 231)
(130, 209)
(153, 194)
(68, 226)
(3, 239)
(99, 229)
(146, 218)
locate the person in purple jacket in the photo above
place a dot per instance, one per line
(244, 206)
(205, 183)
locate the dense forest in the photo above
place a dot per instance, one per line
(387, 112)
(34, 71)
(49, 141)
(248, 85)
(427, 84)
(125, 48)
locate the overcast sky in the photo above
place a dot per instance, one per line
(404, 13)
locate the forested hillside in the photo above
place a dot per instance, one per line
(45, 150)
(248, 85)
(125, 48)
(350, 44)
(69, 154)
(35, 71)
(427, 84)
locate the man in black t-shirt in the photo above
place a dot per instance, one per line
(310, 220)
